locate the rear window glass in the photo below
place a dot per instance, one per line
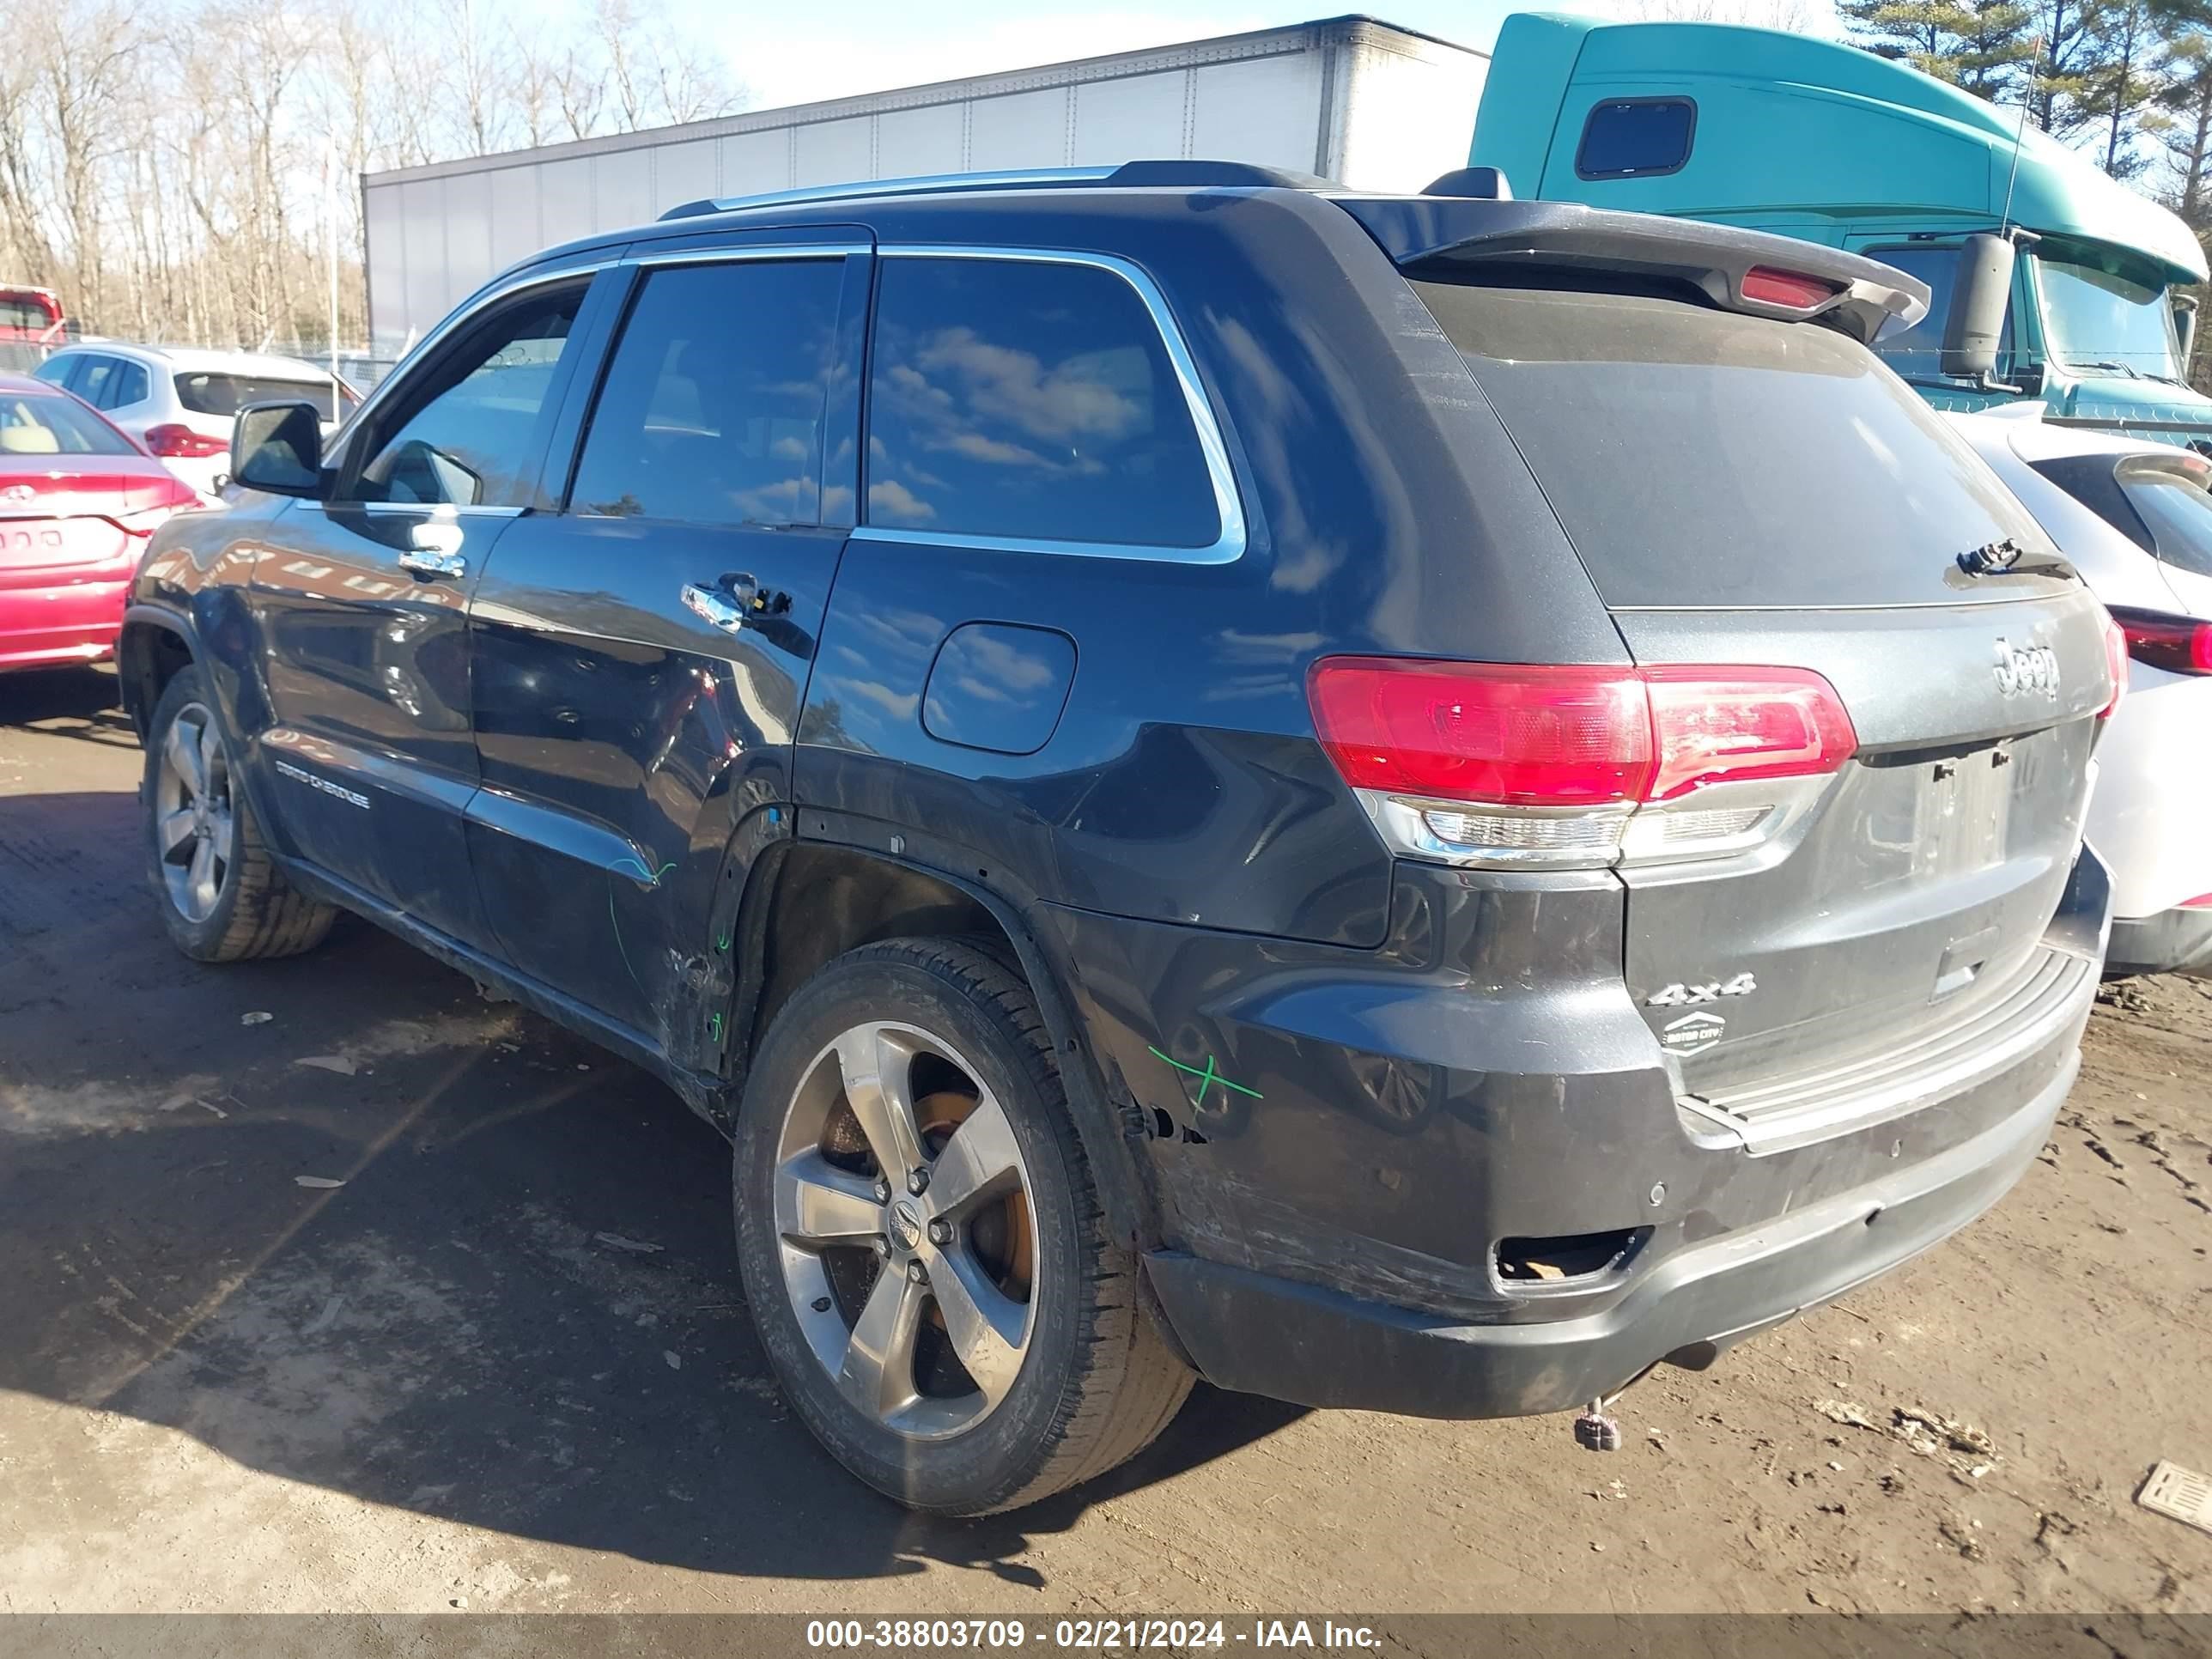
(208, 393)
(28, 314)
(1032, 400)
(2177, 510)
(51, 425)
(1636, 137)
(1701, 457)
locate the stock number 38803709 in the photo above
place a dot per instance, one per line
(830, 1634)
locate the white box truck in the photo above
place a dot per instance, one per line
(1366, 103)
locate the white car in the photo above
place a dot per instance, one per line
(181, 401)
(2135, 518)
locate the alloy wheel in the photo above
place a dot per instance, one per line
(195, 824)
(905, 1230)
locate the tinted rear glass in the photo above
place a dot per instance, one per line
(2177, 510)
(206, 392)
(51, 424)
(1703, 459)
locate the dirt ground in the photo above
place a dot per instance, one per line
(503, 1364)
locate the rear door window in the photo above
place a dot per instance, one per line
(1029, 401)
(712, 409)
(129, 384)
(90, 381)
(1700, 457)
(1636, 138)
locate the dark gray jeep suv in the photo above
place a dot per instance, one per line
(1417, 803)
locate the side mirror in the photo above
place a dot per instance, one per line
(2185, 329)
(278, 448)
(1979, 296)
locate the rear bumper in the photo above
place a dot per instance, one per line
(2171, 942)
(65, 622)
(1390, 1205)
(1260, 1334)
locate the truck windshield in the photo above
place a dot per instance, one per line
(1917, 352)
(2100, 321)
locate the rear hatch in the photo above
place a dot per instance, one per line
(1746, 490)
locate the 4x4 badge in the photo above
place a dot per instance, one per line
(1692, 1033)
(1679, 995)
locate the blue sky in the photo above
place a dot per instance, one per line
(807, 52)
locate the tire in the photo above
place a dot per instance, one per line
(244, 909)
(1094, 1383)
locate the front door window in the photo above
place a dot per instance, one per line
(469, 435)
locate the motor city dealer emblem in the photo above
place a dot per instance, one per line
(1693, 1033)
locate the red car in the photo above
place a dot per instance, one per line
(77, 501)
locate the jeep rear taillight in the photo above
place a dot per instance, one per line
(1472, 732)
(1717, 725)
(2116, 666)
(1489, 763)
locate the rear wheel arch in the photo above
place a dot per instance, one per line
(806, 904)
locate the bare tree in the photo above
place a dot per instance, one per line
(1796, 16)
(167, 164)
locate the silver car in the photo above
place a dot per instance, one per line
(180, 401)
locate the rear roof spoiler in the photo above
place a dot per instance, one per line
(1435, 235)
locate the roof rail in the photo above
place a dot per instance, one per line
(922, 185)
(1196, 174)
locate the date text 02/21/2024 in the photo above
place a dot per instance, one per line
(829, 1635)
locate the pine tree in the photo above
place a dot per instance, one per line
(2060, 25)
(1920, 33)
(1995, 48)
(1977, 45)
(2187, 137)
(2186, 100)
(2121, 77)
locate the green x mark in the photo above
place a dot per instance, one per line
(1208, 1078)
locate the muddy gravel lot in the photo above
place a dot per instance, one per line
(327, 1285)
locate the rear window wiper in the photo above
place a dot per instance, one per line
(2009, 558)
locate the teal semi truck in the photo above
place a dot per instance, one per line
(1827, 143)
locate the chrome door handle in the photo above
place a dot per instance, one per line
(429, 563)
(714, 606)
